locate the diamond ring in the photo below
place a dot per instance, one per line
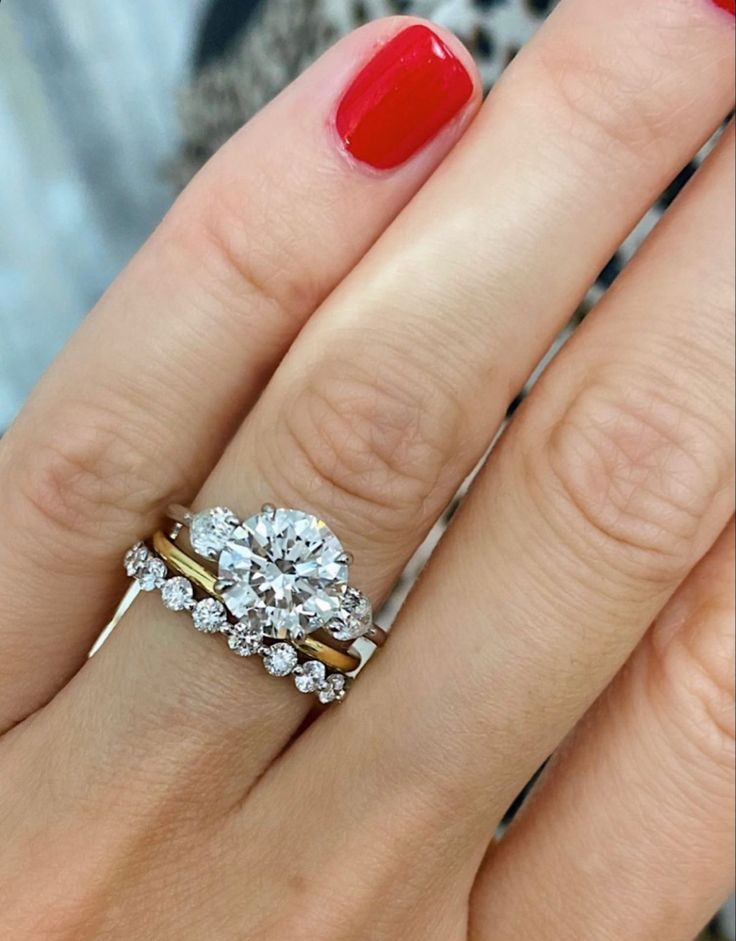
(276, 584)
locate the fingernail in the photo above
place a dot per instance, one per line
(728, 5)
(402, 98)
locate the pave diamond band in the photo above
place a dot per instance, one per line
(276, 585)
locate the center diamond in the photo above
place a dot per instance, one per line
(285, 571)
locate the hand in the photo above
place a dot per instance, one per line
(167, 789)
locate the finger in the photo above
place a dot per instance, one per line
(630, 833)
(389, 398)
(144, 398)
(188, 728)
(611, 483)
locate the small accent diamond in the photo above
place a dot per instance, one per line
(151, 573)
(209, 616)
(354, 618)
(280, 659)
(245, 639)
(310, 677)
(334, 689)
(135, 557)
(177, 593)
(211, 529)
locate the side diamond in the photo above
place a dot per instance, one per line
(151, 573)
(334, 689)
(354, 618)
(209, 616)
(245, 639)
(280, 659)
(310, 677)
(177, 594)
(211, 529)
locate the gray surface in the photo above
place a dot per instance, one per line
(87, 118)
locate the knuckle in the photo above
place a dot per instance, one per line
(89, 475)
(693, 680)
(633, 469)
(264, 281)
(371, 441)
(610, 106)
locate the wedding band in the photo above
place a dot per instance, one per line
(276, 584)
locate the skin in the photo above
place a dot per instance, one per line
(296, 332)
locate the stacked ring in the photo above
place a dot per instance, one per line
(276, 585)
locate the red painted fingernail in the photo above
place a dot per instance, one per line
(728, 5)
(397, 103)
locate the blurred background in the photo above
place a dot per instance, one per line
(106, 110)
(87, 120)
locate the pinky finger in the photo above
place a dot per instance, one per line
(630, 832)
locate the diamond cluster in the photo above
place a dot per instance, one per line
(245, 637)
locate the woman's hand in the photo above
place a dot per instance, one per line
(164, 790)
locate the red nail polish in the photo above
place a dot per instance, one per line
(407, 93)
(728, 5)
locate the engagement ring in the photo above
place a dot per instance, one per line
(276, 585)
